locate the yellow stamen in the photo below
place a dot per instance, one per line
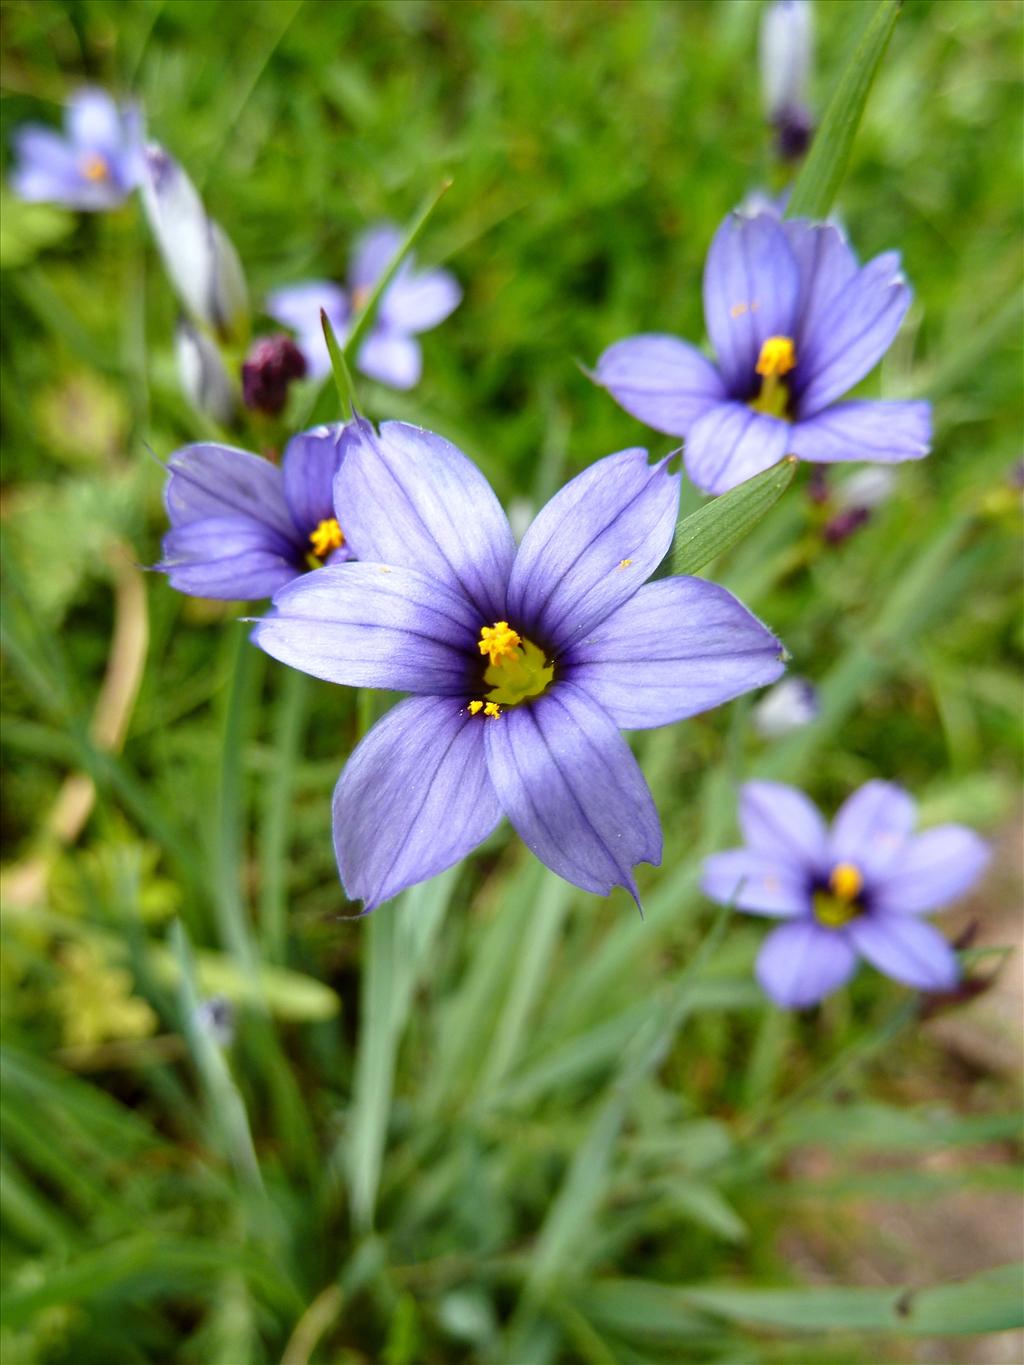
(361, 297)
(778, 356)
(475, 707)
(499, 642)
(95, 167)
(327, 537)
(625, 563)
(492, 709)
(846, 882)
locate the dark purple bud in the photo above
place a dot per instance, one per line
(844, 524)
(271, 365)
(794, 128)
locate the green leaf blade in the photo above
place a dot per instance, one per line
(719, 524)
(822, 173)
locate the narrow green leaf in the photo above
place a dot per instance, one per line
(823, 171)
(364, 319)
(339, 368)
(713, 528)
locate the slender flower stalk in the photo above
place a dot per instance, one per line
(522, 664)
(415, 301)
(201, 262)
(795, 324)
(854, 891)
(242, 527)
(95, 165)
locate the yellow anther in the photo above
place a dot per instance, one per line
(845, 882)
(492, 709)
(778, 356)
(475, 707)
(625, 563)
(327, 537)
(361, 297)
(95, 167)
(499, 642)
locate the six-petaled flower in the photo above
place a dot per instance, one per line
(854, 891)
(95, 165)
(414, 302)
(523, 664)
(242, 527)
(795, 324)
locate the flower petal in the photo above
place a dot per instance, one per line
(391, 358)
(932, 870)
(413, 799)
(751, 289)
(756, 883)
(678, 647)
(572, 789)
(373, 252)
(660, 380)
(298, 306)
(826, 263)
(871, 827)
(801, 962)
(209, 480)
(308, 467)
(847, 339)
(371, 625)
(731, 443)
(420, 300)
(866, 429)
(235, 559)
(592, 546)
(412, 499)
(781, 822)
(93, 121)
(908, 950)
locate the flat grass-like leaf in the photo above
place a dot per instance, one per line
(719, 524)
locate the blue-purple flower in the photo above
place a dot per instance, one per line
(854, 891)
(242, 527)
(96, 163)
(414, 302)
(795, 324)
(523, 664)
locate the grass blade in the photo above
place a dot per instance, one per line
(719, 524)
(823, 171)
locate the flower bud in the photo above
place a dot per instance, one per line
(204, 377)
(202, 264)
(788, 706)
(785, 66)
(269, 368)
(216, 1018)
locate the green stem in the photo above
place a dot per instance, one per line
(289, 721)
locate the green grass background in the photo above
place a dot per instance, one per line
(500, 1120)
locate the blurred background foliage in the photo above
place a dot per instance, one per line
(500, 1120)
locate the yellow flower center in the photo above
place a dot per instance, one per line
(95, 167)
(839, 904)
(517, 670)
(328, 536)
(778, 357)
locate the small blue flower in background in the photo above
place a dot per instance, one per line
(95, 165)
(414, 302)
(795, 324)
(200, 260)
(523, 663)
(785, 49)
(242, 527)
(855, 890)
